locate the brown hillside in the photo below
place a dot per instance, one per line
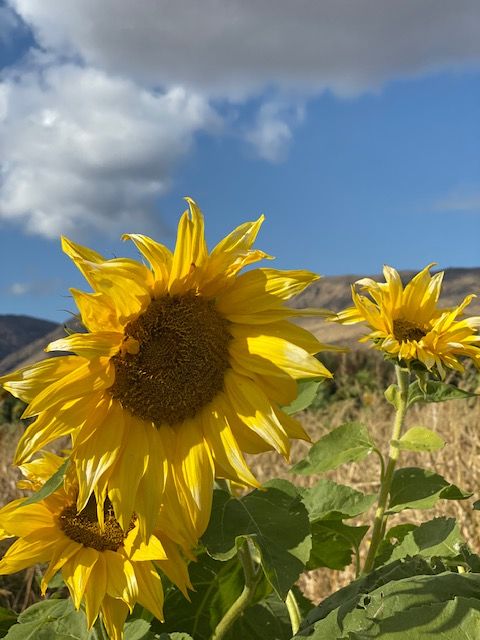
(17, 331)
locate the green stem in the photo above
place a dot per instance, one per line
(293, 611)
(252, 575)
(403, 378)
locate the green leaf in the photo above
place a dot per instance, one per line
(458, 619)
(421, 439)
(7, 619)
(393, 606)
(50, 486)
(333, 544)
(347, 443)
(51, 620)
(439, 537)
(173, 636)
(332, 501)
(138, 630)
(277, 523)
(267, 620)
(436, 391)
(392, 395)
(414, 488)
(347, 599)
(217, 586)
(307, 392)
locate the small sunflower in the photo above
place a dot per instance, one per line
(408, 324)
(184, 368)
(107, 568)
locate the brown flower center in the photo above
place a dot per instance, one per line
(404, 330)
(181, 362)
(83, 527)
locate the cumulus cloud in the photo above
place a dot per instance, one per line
(85, 150)
(96, 120)
(235, 47)
(272, 132)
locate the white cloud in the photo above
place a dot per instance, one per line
(463, 201)
(272, 132)
(35, 287)
(19, 288)
(92, 143)
(83, 150)
(236, 47)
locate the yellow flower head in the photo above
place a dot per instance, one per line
(408, 325)
(184, 368)
(106, 567)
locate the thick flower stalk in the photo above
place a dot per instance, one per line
(105, 567)
(408, 325)
(184, 368)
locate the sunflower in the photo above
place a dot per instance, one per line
(185, 367)
(409, 326)
(107, 568)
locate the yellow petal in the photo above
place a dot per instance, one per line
(85, 379)
(195, 471)
(61, 554)
(263, 289)
(121, 581)
(252, 407)
(129, 468)
(30, 550)
(114, 614)
(150, 590)
(89, 345)
(95, 590)
(31, 380)
(96, 310)
(226, 452)
(159, 257)
(77, 571)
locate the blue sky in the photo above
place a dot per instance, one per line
(360, 151)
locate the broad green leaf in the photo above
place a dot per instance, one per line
(216, 586)
(138, 630)
(173, 636)
(436, 391)
(347, 443)
(333, 544)
(371, 612)
(458, 619)
(51, 620)
(50, 486)
(332, 501)
(7, 619)
(267, 620)
(346, 599)
(414, 488)
(421, 439)
(307, 392)
(277, 523)
(439, 537)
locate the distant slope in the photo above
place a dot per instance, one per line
(332, 292)
(34, 351)
(17, 331)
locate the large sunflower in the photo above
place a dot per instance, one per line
(107, 568)
(185, 363)
(408, 325)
